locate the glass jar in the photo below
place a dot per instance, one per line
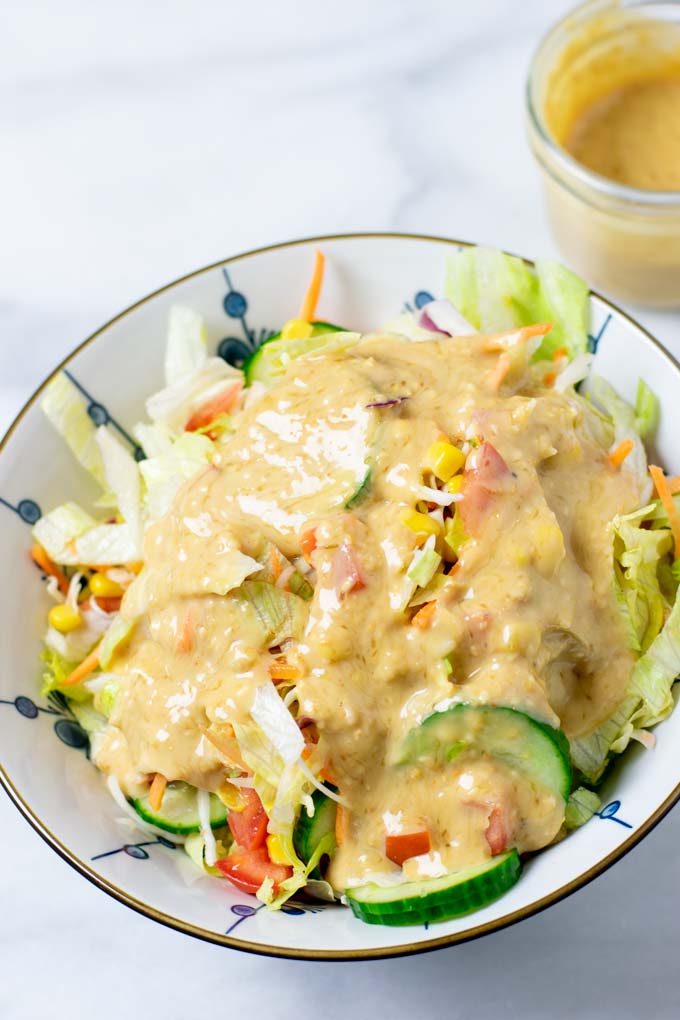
(625, 240)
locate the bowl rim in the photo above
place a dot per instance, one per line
(262, 949)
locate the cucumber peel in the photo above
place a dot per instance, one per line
(514, 738)
(179, 810)
(264, 366)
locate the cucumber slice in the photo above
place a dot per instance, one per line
(361, 491)
(514, 738)
(309, 832)
(179, 810)
(436, 899)
(264, 365)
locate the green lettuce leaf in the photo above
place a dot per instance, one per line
(637, 552)
(648, 700)
(497, 292)
(647, 410)
(581, 807)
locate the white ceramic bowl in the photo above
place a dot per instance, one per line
(44, 765)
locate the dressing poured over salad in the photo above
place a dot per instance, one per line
(374, 612)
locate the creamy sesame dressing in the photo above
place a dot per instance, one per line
(525, 614)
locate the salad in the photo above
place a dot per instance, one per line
(375, 612)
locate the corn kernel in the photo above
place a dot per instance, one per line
(444, 460)
(455, 484)
(64, 618)
(101, 585)
(548, 549)
(275, 849)
(455, 532)
(422, 524)
(297, 329)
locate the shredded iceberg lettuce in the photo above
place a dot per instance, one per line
(186, 349)
(648, 701)
(497, 292)
(581, 807)
(66, 409)
(625, 427)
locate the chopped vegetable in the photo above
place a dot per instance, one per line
(404, 845)
(156, 791)
(668, 502)
(312, 296)
(425, 616)
(618, 455)
(40, 557)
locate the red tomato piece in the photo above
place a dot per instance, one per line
(346, 572)
(247, 869)
(249, 827)
(401, 847)
(215, 406)
(496, 834)
(486, 473)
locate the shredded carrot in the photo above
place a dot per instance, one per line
(135, 567)
(156, 791)
(673, 485)
(39, 556)
(284, 671)
(276, 562)
(87, 666)
(308, 543)
(668, 502)
(495, 341)
(327, 776)
(561, 352)
(549, 378)
(314, 289)
(342, 819)
(227, 745)
(617, 456)
(497, 375)
(185, 638)
(424, 616)
(214, 407)
(307, 751)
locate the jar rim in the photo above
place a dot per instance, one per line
(588, 179)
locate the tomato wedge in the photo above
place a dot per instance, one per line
(247, 869)
(212, 408)
(249, 827)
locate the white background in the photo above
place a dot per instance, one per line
(140, 140)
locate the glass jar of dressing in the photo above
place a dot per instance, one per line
(603, 101)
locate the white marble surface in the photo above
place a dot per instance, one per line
(143, 140)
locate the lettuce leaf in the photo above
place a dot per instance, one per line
(581, 807)
(497, 292)
(66, 409)
(648, 700)
(165, 472)
(186, 349)
(647, 410)
(637, 552)
(625, 427)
